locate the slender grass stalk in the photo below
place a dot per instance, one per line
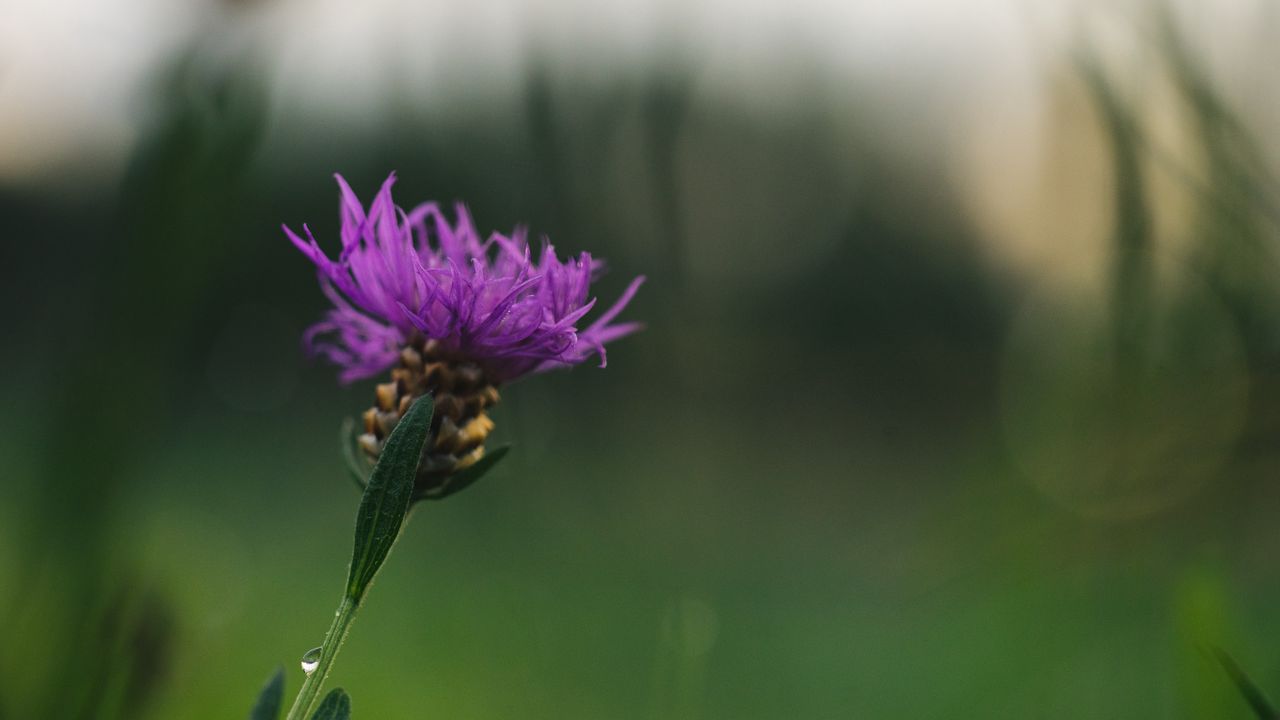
(309, 695)
(379, 520)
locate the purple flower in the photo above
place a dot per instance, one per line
(405, 278)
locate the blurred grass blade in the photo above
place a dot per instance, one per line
(270, 699)
(387, 498)
(346, 441)
(335, 706)
(1251, 692)
(1133, 225)
(463, 479)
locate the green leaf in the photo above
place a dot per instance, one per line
(269, 700)
(1251, 692)
(463, 479)
(387, 497)
(335, 706)
(346, 441)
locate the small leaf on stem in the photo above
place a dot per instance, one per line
(346, 441)
(462, 479)
(388, 496)
(335, 706)
(269, 700)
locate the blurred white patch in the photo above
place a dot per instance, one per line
(1028, 150)
(70, 76)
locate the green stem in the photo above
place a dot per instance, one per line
(309, 695)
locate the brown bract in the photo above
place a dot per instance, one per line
(462, 394)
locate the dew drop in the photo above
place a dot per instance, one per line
(311, 660)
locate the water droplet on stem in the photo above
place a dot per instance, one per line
(311, 660)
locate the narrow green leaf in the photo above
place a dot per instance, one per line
(269, 700)
(346, 441)
(1251, 692)
(387, 497)
(463, 479)
(335, 706)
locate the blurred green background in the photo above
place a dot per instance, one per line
(959, 394)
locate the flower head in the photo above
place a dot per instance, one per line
(407, 276)
(450, 315)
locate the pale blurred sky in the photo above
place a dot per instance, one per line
(74, 73)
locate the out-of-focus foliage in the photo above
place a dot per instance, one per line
(852, 468)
